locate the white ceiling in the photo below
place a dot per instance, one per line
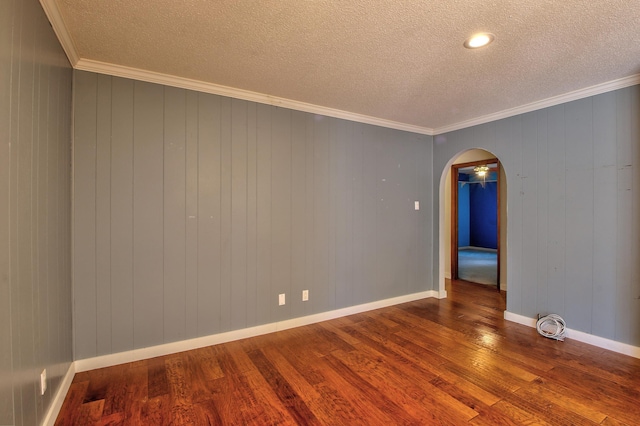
(395, 63)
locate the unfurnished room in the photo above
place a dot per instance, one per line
(319, 212)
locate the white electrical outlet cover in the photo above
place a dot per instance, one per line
(305, 295)
(281, 299)
(43, 382)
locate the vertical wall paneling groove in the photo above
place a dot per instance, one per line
(84, 216)
(431, 198)
(35, 246)
(265, 295)
(103, 215)
(39, 232)
(579, 210)
(39, 202)
(174, 220)
(210, 207)
(342, 190)
(53, 251)
(542, 203)
(556, 213)
(309, 195)
(370, 212)
(121, 216)
(334, 209)
(510, 137)
(191, 213)
(634, 299)
(239, 213)
(625, 216)
(281, 202)
(26, 157)
(148, 278)
(252, 216)
(335, 204)
(573, 197)
(6, 348)
(320, 300)
(18, 340)
(604, 235)
(358, 211)
(337, 226)
(226, 219)
(298, 212)
(12, 411)
(529, 181)
(209, 233)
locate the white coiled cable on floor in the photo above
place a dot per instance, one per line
(551, 326)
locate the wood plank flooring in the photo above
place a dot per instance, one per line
(442, 362)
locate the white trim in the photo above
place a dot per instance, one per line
(545, 103)
(60, 28)
(217, 89)
(520, 319)
(56, 403)
(581, 336)
(185, 345)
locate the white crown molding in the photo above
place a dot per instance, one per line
(215, 339)
(56, 404)
(60, 28)
(581, 336)
(57, 22)
(545, 103)
(216, 89)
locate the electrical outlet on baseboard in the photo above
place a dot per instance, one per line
(43, 381)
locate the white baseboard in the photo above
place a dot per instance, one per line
(58, 398)
(185, 345)
(581, 336)
(520, 319)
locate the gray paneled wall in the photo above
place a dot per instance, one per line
(573, 209)
(192, 212)
(35, 211)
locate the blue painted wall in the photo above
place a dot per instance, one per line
(463, 215)
(483, 215)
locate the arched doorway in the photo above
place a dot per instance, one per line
(445, 215)
(475, 222)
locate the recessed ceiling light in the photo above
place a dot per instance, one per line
(478, 40)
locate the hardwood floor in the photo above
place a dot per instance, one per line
(451, 362)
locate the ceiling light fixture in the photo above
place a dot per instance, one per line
(479, 40)
(481, 170)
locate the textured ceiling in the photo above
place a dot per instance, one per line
(401, 61)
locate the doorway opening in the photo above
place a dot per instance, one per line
(445, 217)
(475, 221)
